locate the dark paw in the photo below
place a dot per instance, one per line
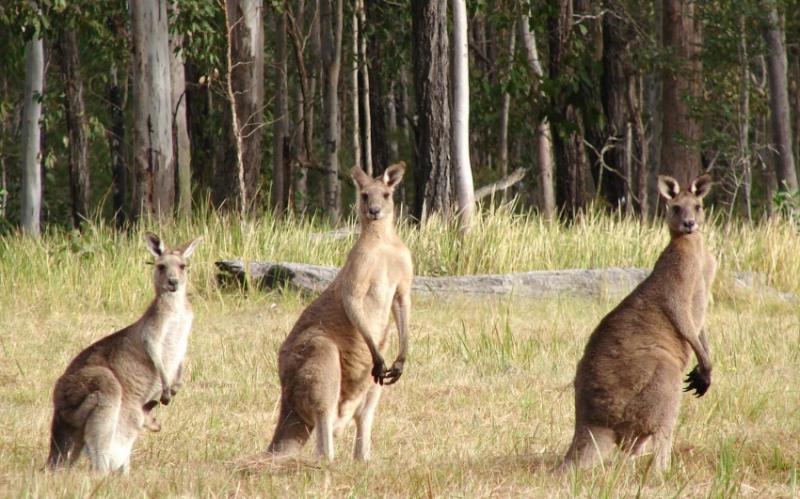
(165, 396)
(378, 371)
(391, 376)
(698, 381)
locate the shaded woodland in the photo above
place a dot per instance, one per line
(113, 111)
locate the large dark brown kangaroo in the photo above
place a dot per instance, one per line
(628, 383)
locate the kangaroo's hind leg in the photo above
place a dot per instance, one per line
(102, 420)
(325, 387)
(364, 416)
(589, 445)
(291, 432)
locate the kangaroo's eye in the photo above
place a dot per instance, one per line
(364, 197)
(676, 209)
(697, 208)
(161, 267)
(182, 266)
(385, 195)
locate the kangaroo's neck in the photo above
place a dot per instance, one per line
(693, 241)
(377, 229)
(166, 304)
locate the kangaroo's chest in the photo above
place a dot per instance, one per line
(175, 341)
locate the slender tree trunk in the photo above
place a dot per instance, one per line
(182, 144)
(391, 119)
(116, 141)
(744, 119)
(505, 107)
(331, 17)
(280, 128)
(356, 93)
(366, 112)
(30, 216)
(403, 102)
(430, 51)
(779, 101)
(6, 128)
(544, 144)
(680, 155)
(305, 122)
(237, 178)
(154, 161)
(640, 143)
(75, 113)
(465, 189)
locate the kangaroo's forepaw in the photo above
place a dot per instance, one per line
(391, 376)
(166, 396)
(378, 371)
(699, 381)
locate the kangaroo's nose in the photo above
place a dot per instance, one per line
(172, 281)
(689, 224)
(374, 210)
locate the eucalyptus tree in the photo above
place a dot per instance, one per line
(433, 191)
(154, 160)
(331, 21)
(30, 216)
(465, 192)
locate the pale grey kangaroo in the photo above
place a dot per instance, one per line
(104, 398)
(331, 366)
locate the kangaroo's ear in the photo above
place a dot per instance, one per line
(702, 185)
(154, 244)
(668, 186)
(394, 174)
(186, 249)
(360, 177)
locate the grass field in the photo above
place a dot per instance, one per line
(484, 409)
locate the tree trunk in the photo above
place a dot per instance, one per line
(779, 101)
(505, 107)
(570, 154)
(610, 176)
(154, 193)
(430, 51)
(182, 144)
(75, 113)
(366, 111)
(280, 127)
(331, 17)
(305, 123)
(30, 216)
(544, 144)
(356, 93)
(465, 189)
(680, 155)
(744, 119)
(378, 114)
(116, 139)
(237, 178)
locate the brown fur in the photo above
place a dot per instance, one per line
(104, 398)
(628, 383)
(330, 366)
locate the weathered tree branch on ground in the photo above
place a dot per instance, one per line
(585, 283)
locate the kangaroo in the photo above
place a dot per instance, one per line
(628, 383)
(104, 398)
(330, 366)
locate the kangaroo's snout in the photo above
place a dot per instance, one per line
(374, 211)
(689, 225)
(172, 283)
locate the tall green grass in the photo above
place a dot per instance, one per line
(484, 408)
(107, 266)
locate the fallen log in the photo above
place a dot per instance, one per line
(587, 283)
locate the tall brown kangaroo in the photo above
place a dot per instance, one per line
(628, 383)
(104, 398)
(331, 366)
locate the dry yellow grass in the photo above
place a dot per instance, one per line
(484, 408)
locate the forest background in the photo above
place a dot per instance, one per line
(112, 111)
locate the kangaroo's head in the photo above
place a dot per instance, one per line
(170, 272)
(375, 200)
(684, 206)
